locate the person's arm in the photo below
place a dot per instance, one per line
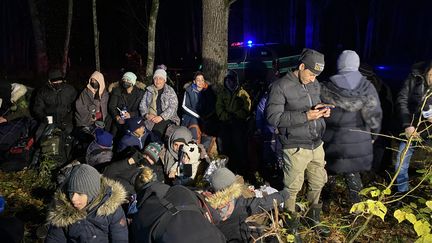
(276, 114)
(187, 109)
(143, 107)
(257, 205)
(39, 106)
(375, 114)
(171, 111)
(82, 111)
(402, 103)
(245, 104)
(221, 108)
(118, 231)
(55, 234)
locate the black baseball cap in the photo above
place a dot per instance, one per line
(313, 60)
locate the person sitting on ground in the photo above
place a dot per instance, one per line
(100, 150)
(170, 214)
(14, 102)
(153, 160)
(137, 135)
(92, 103)
(125, 97)
(87, 209)
(233, 208)
(159, 105)
(179, 137)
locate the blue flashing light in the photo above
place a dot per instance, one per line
(249, 43)
(382, 67)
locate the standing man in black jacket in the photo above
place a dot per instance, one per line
(408, 104)
(295, 108)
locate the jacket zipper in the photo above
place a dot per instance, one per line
(310, 103)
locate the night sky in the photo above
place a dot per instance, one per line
(382, 32)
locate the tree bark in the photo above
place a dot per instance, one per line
(215, 40)
(96, 36)
(151, 37)
(67, 39)
(40, 40)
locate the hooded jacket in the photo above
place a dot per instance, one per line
(233, 103)
(197, 105)
(169, 156)
(103, 221)
(234, 227)
(288, 102)
(86, 105)
(169, 104)
(97, 154)
(347, 139)
(119, 98)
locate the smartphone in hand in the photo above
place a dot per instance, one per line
(323, 106)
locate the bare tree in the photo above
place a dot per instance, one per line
(96, 36)
(215, 39)
(67, 39)
(40, 39)
(151, 36)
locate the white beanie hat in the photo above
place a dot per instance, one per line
(160, 73)
(348, 61)
(130, 77)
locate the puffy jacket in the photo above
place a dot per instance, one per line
(103, 222)
(56, 103)
(197, 105)
(130, 140)
(169, 103)
(120, 98)
(97, 154)
(87, 105)
(356, 109)
(288, 102)
(410, 97)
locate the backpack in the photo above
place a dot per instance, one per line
(181, 218)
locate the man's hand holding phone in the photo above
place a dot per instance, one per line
(318, 111)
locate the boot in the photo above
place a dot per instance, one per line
(328, 192)
(355, 185)
(314, 220)
(293, 223)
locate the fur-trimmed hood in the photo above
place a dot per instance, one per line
(111, 196)
(139, 85)
(233, 192)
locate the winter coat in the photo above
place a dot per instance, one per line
(288, 102)
(123, 172)
(130, 140)
(411, 96)
(56, 103)
(357, 113)
(171, 215)
(97, 154)
(120, 98)
(103, 222)
(260, 118)
(234, 227)
(198, 106)
(169, 103)
(169, 156)
(20, 100)
(233, 105)
(86, 105)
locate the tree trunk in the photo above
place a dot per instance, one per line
(40, 40)
(151, 38)
(67, 39)
(96, 36)
(215, 40)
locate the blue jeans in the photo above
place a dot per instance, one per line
(402, 178)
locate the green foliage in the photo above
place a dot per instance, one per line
(376, 208)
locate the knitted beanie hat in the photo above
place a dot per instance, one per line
(86, 180)
(160, 73)
(130, 77)
(221, 179)
(103, 138)
(348, 61)
(152, 150)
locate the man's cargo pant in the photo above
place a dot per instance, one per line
(297, 161)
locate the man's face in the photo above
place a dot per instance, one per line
(177, 145)
(140, 131)
(305, 75)
(429, 77)
(159, 82)
(79, 200)
(199, 81)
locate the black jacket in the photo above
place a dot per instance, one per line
(56, 103)
(347, 139)
(410, 97)
(288, 102)
(120, 98)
